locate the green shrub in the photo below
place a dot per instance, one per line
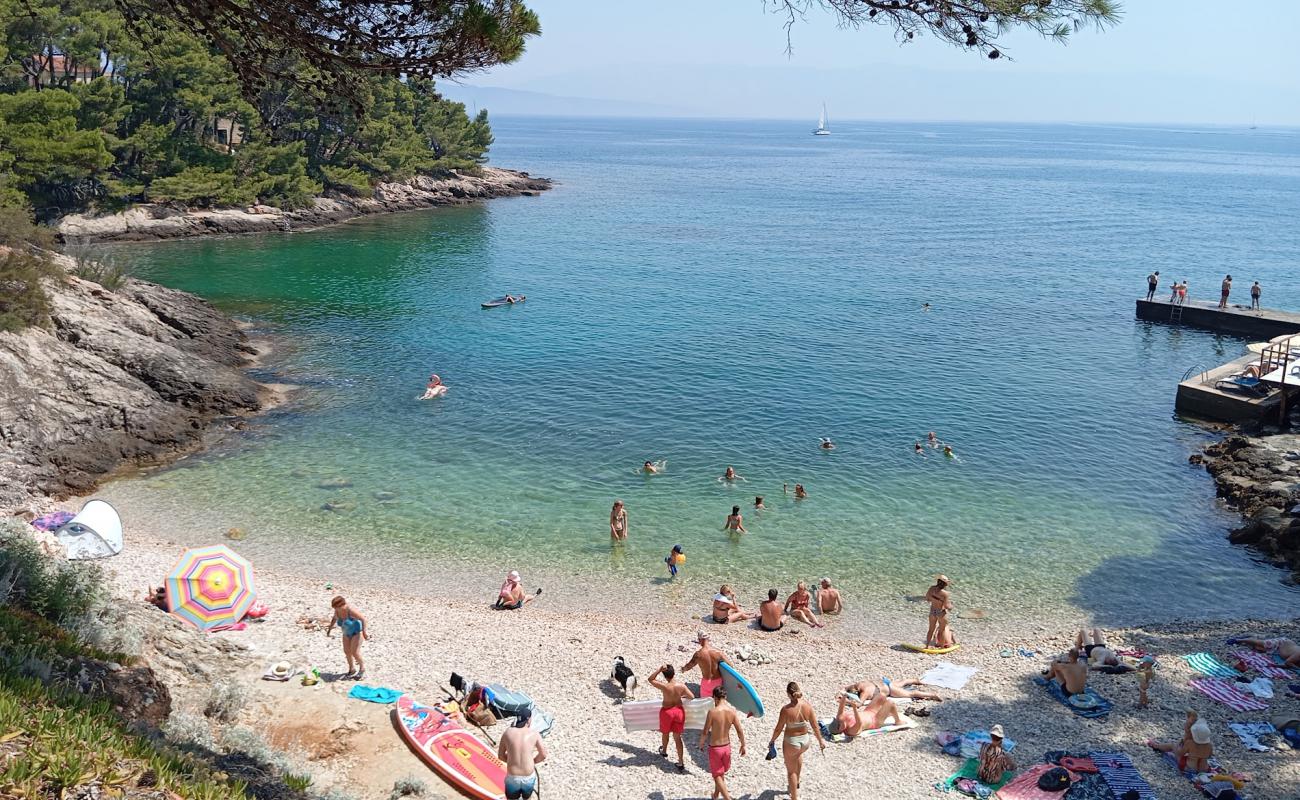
(347, 180)
(409, 786)
(225, 701)
(59, 591)
(189, 732)
(102, 269)
(24, 301)
(201, 187)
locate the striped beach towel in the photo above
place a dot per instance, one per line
(1227, 693)
(1263, 664)
(1207, 664)
(1118, 772)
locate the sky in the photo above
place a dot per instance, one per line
(1168, 61)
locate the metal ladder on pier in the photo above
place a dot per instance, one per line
(1176, 312)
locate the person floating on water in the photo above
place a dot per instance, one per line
(729, 476)
(932, 440)
(433, 388)
(735, 523)
(512, 299)
(826, 443)
(799, 492)
(618, 521)
(675, 558)
(925, 306)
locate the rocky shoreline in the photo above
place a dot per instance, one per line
(117, 379)
(153, 222)
(1260, 476)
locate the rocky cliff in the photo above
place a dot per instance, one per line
(117, 378)
(1260, 475)
(151, 222)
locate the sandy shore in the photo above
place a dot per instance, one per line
(560, 651)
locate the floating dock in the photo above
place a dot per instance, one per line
(1265, 323)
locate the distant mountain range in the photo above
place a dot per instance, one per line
(517, 101)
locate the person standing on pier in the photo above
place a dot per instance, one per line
(1255, 292)
(1225, 290)
(1153, 283)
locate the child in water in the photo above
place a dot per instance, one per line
(947, 451)
(675, 557)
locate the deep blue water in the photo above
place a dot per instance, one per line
(723, 293)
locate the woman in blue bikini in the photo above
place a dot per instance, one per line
(354, 628)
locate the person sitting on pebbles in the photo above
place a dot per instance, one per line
(828, 598)
(1193, 751)
(726, 609)
(1070, 673)
(994, 761)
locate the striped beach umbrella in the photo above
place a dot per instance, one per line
(210, 586)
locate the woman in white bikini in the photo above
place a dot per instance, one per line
(799, 724)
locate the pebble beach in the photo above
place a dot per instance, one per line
(559, 651)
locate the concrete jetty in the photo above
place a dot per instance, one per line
(1240, 320)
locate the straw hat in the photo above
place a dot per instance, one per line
(996, 732)
(943, 578)
(513, 575)
(282, 669)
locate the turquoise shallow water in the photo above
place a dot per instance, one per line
(723, 293)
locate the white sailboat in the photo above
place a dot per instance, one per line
(822, 130)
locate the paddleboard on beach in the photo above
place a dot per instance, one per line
(739, 691)
(643, 715)
(452, 752)
(929, 651)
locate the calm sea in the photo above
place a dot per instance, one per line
(720, 293)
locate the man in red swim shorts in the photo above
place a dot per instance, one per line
(672, 714)
(717, 737)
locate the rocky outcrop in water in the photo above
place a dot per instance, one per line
(117, 378)
(151, 222)
(1261, 477)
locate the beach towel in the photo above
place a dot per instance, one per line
(1025, 785)
(1207, 664)
(964, 780)
(374, 694)
(1119, 774)
(948, 676)
(1135, 653)
(968, 744)
(1201, 780)
(52, 521)
(1098, 711)
(1258, 736)
(1262, 664)
(1226, 692)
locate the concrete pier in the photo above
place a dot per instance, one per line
(1202, 396)
(1240, 320)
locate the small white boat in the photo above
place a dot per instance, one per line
(822, 129)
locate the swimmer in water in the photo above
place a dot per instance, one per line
(433, 388)
(827, 444)
(799, 493)
(918, 449)
(650, 468)
(729, 476)
(758, 503)
(735, 523)
(925, 306)
(932, 440)
(947, 451)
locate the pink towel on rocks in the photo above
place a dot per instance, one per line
(1025, 785)
(1262, 664)
(1226, 692)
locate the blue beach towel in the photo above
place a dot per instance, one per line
(374, 694)
(1207, 664)
(1117, 771)
(1100, 710)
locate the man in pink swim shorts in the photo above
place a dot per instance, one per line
(716, 736)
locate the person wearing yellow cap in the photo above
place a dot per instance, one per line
(938, 634)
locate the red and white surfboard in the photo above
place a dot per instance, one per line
(460, 758)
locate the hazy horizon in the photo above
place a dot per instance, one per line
(1181, 62)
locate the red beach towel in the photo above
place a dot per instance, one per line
(1227, 693)
(1025, 785)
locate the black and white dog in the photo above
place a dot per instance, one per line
(622, 675)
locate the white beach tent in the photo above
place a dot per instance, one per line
(96, 532)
